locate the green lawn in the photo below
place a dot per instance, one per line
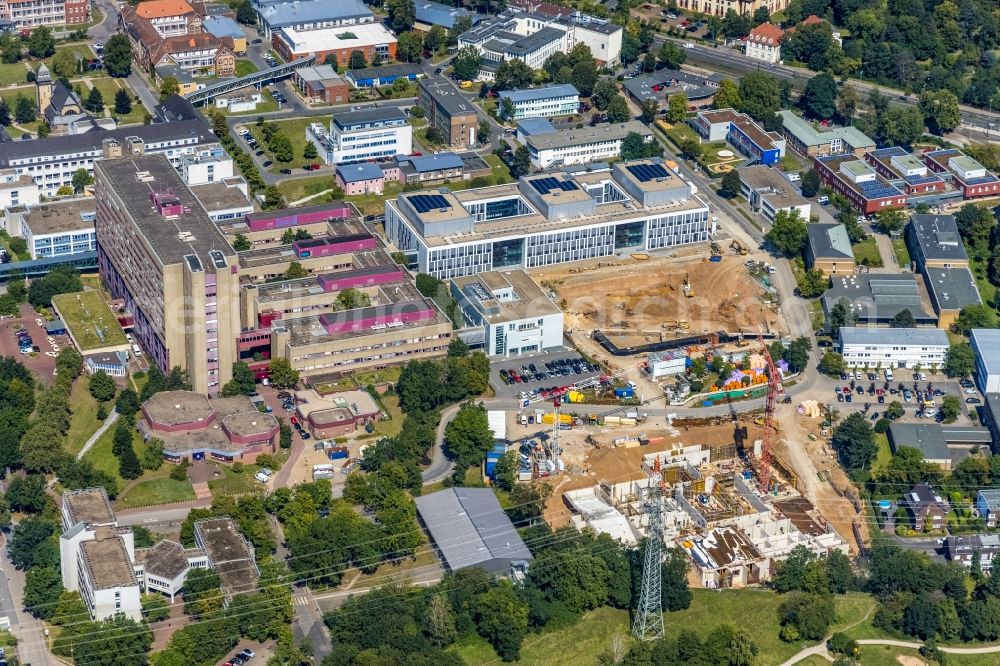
(866, 253)
(5, 239)
(81, 50)
(295, 130)
(501, 172)
(102, 457)
(902, 254)
(233, 483)
(374, 204)
(13, 74)
(266, 105)
(109, 88)
(378, 377)
(391, 427)
(89, 319)
(884, 454)
(298, 188)
(84, 422)
(816, 315)
(986, 290)
(244, 68)
(162, 490)
(681, 132)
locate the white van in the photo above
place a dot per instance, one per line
(136, 351)
(888, 374)
(823, 200)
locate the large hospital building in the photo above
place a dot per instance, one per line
(547, 219)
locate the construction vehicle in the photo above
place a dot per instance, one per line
(737, 247)
(688, 290)
(716, 248)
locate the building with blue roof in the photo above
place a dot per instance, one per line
(310, 14)
(383, 75)
(224, 26)
(532, 127)
(430, 14)
(557, 100)
(360, 178)
(428, 169)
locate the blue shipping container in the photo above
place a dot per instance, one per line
(624, 392)
(336, 454)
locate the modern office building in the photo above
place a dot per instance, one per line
(448, 111)
(934, 242)
(371, 39)
(857, 181)
(160, 252)
(905, 171)
(51, 162)
(963, 173)
(828, 249)
(893, 347)
(515, 314)
(164, 566)
(877, 298)
(769, 192)
(56, 229)
(547, 219)
(986, 346)
(764, 43)
(429, 14)
(273, 15)
(581, 146)
(546, 102)
(362, 134)
(806, 140)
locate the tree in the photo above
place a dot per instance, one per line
(241, 243)
(465, 65)
(42, 587)
(505, 472)
(457, 348)
(798, 353)
(974, 316)
(41, 43)
(95, 101)
(671, 56)
(440, 621)
(650, 108)
(513, 74)
(284, 434)
(102, 386)
(282, 148)
(245, 13)
(502, 619)
(950, 408)
(959, 360)
(819, 99)
(940, 110)
(129, 466)
(8, 306)
(975, 225)
(27, 493)
(634, 146)
(468, 436)
(123, 102)
(901, 126)
(169, 87)
(409, 48)
(854, 441)
(309, 152)
(428, 285)
(891, 220)
(24, 109)
(809, 614)
(356, 60)
(730, 184)
(760, 96)
(281, 373)
(122, 437)
(273, 198)
(604, 91)
(201, 592)
(242, 383)
(810, 183)
(903, 319)
(618, 110)
(64, 64)
(847, 103)
(894, 410)
(788, 233)
(4, 113)
(677, 107)
(727, 96)
(401, 14)
(675, 594)
(585, 76)
(81, 178)
(521, 164)
(434, 39)
(152, 456)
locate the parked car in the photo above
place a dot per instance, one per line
(267, 163)
(972, 401)
(256, 40)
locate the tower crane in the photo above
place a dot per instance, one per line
(774, 389)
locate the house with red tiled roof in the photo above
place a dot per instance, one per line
(177, 41)
(764, 43)
(168, 17)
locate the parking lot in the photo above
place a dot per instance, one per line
(561, 371)
(40, 364)
(903, 389)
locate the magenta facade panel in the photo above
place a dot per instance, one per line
(294, 217)
(408, 314)
(339, 282)
(325, 247)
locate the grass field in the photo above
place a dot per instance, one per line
(902, 254)
(391, 427)
(84, 422)
(244, 68)
(295, 130)
(85, 313)
(298, 188)
(884, 454)
(162, 490)
(986, 290)
(233, 483)
(13, 74)
(866, 253)
(109, 88)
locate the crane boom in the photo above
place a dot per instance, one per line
(774, 389)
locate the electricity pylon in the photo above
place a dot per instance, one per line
(648, 622)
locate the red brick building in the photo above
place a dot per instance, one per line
(965, 173)
(859, 183)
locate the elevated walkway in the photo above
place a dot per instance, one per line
(208, 93)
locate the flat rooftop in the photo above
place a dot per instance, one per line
(378, 263)
(569, 138)
(90, 506)
(245, 424)
(349, 37)
(447, 96)
(306, 331)
(878, 297)
(529, 299)
(108, 563)
(986, 343)
(134, 179)
(937, 237)
(222, 195)
(62, 216)
(662, 84)
(166, 559)
(951, 288)
(879, 188)
(89, 319)
(228, 554)
(178, 407)
(803, 131)
(772, 184)
(863, 335)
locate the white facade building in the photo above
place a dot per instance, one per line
(764, 43)
(547, 219)
(580, 146)
(666, 363)
(164, 567)
(55, 229)
(17, 189)
(893, 347)
(557, 100)
(986, 346)
(209, 167)
(362, 134)
(238, 103)
(516, 315)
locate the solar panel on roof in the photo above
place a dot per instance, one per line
(989, 178)
(877, 190)
(647, 172)
(427, 202)
(545, 185)
(920, 180)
